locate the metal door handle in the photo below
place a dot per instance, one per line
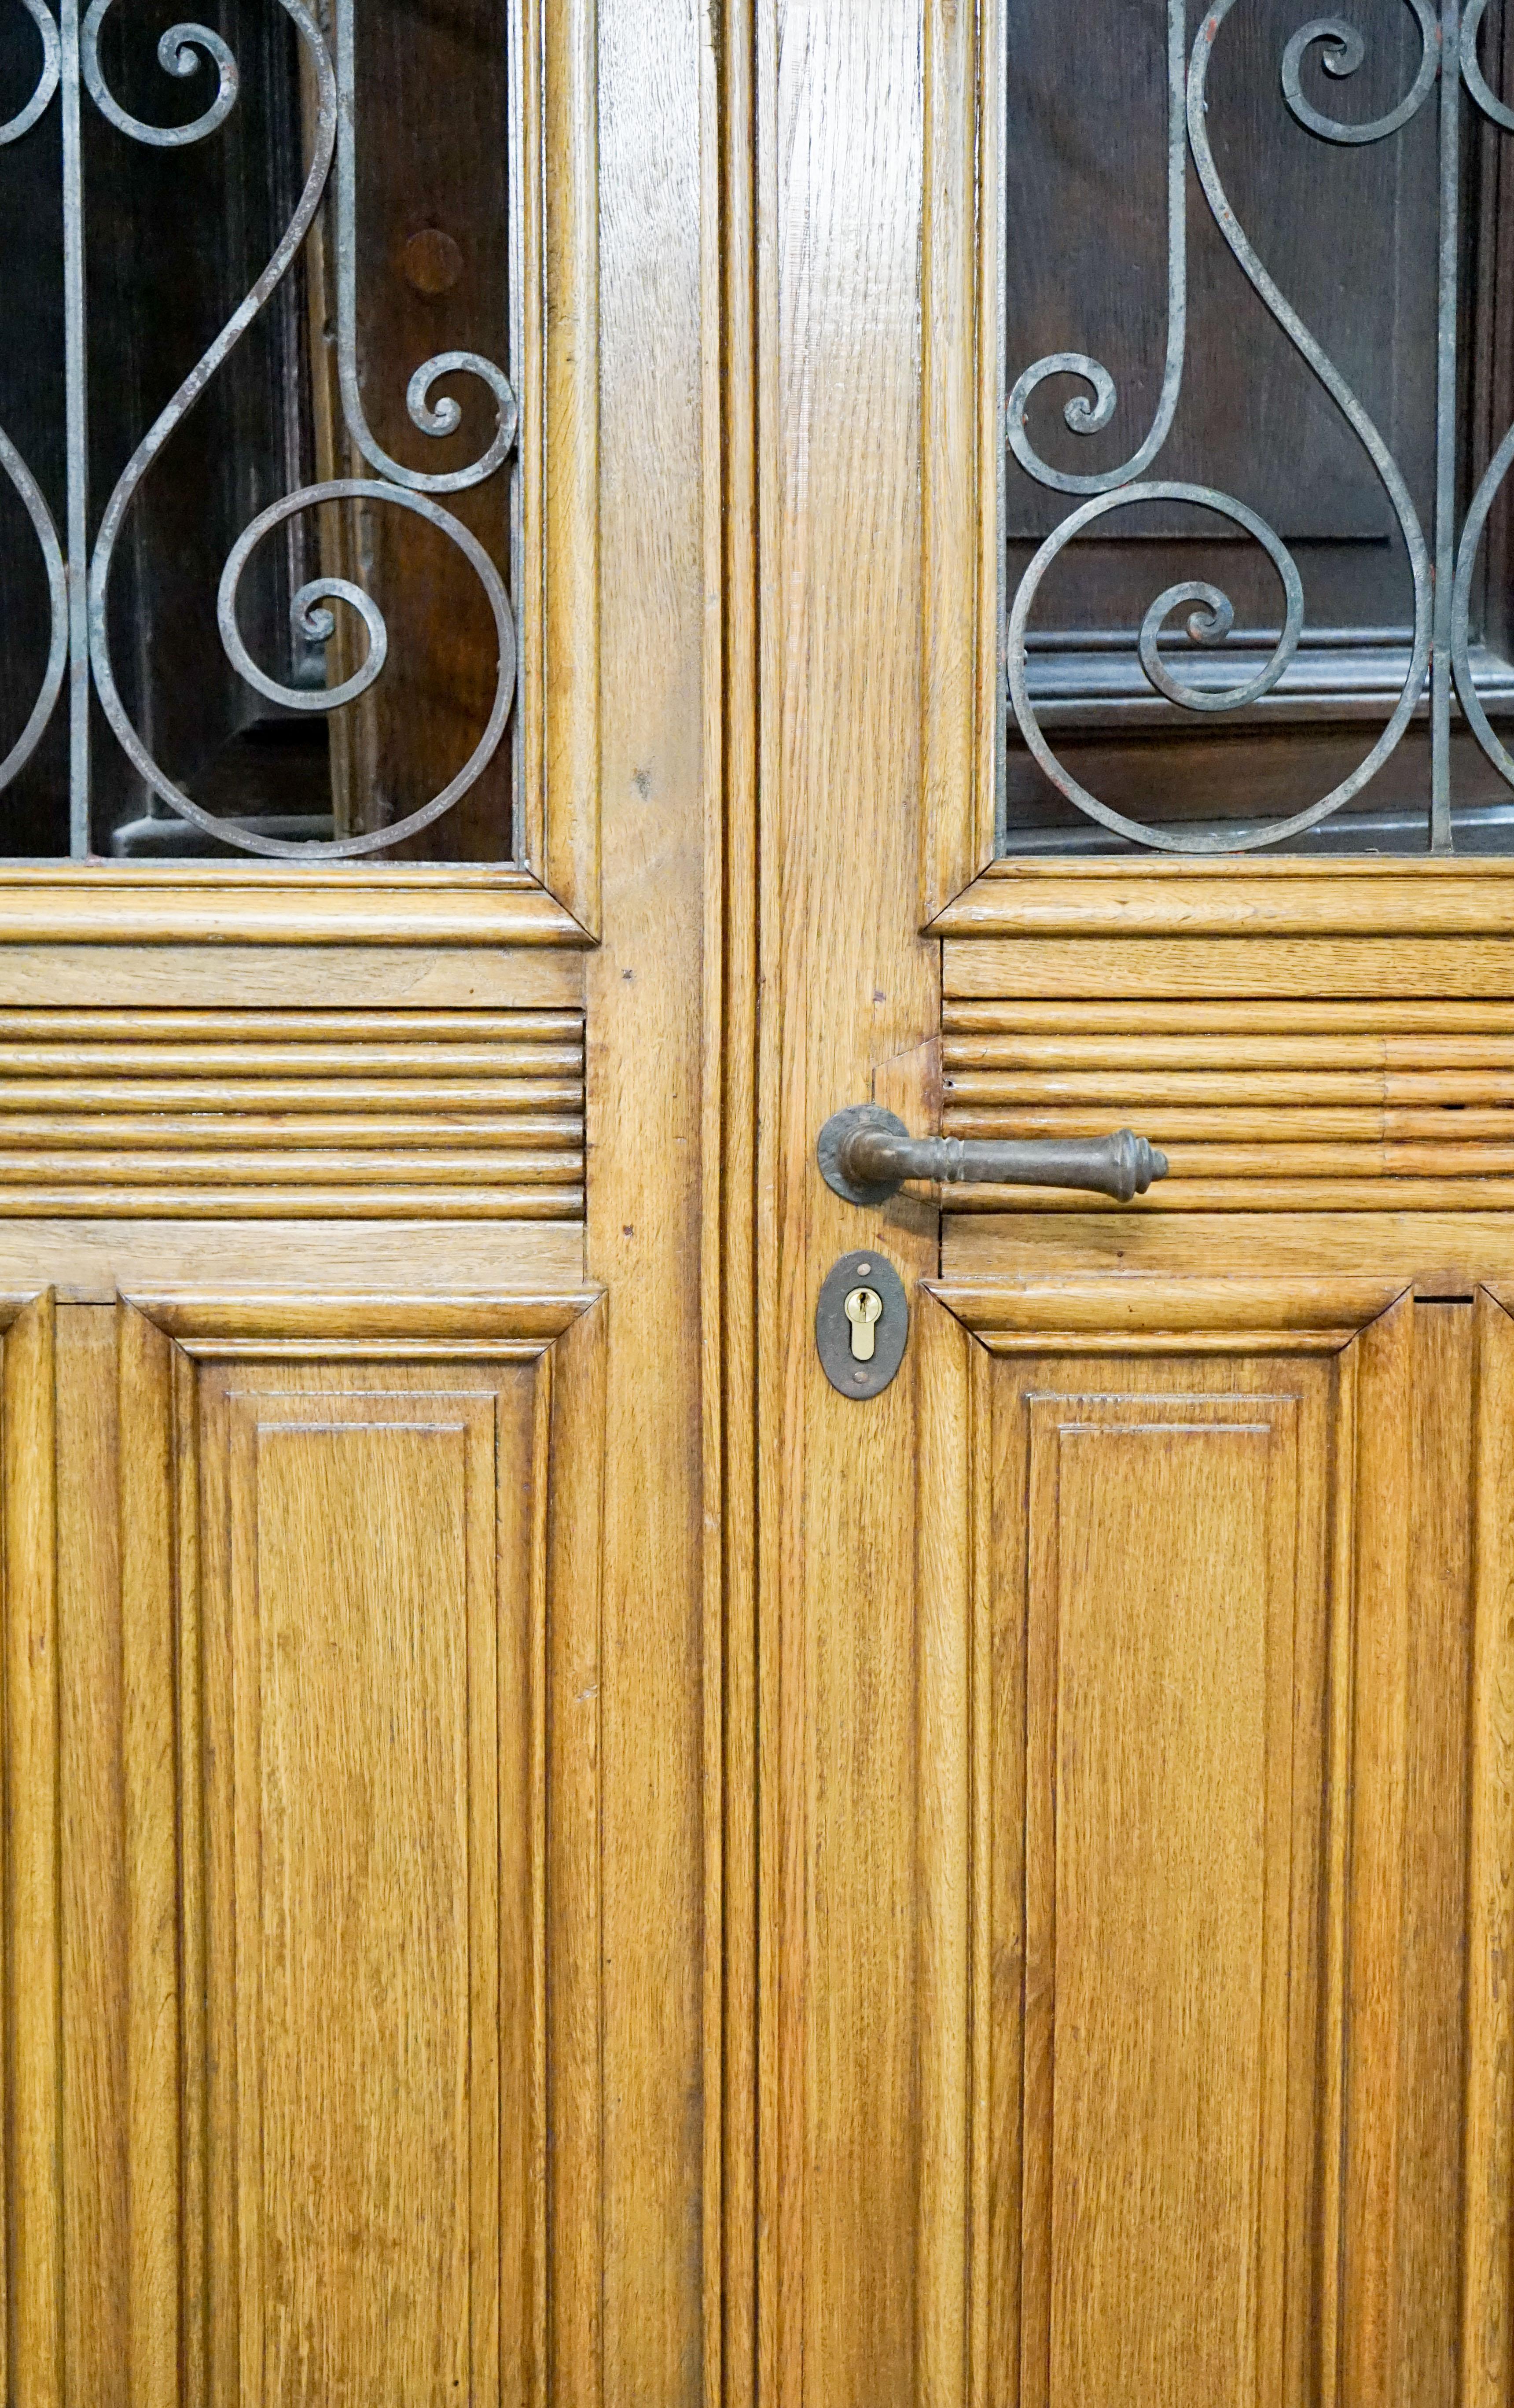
(866, 1154)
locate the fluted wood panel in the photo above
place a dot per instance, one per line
(1340, 1106)
(450, 1115)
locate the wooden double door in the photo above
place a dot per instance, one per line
(551, 1855)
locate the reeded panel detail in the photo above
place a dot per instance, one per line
(1362, 1106)
(454, 1116)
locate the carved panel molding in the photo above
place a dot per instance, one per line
(1196, 1581)
(300, 1908)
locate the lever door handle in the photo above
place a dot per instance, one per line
(866, 1154)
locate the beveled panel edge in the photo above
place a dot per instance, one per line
(1280, 896)
(960, 454)
(230, 1326)
(954, 1841)
(411, 905)
(560, 666)
(1086, 1314)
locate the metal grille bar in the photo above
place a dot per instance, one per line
(78, 572)
(1442, 569)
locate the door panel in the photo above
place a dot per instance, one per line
(1132, 1886)
(1163, 1611)
(362, 1907)
(1196, 1663)
(549, 1856)
(302, 1642)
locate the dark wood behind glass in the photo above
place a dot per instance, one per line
(175, 239)
(1350, 234)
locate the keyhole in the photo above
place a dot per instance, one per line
(864, 1308)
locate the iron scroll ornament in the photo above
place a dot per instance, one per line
(1442, 569)
(79, 574)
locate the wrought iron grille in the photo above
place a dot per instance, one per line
(1448, 686)
(320, 474)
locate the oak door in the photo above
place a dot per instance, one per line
(551, 1853)
(358, 1894)
(1134, 1846)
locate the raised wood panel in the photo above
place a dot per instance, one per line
(1160, 1835)
(362, 1807)
(1195, 1662)
(301, 1918)
(371, 1770)
(1173, 1590)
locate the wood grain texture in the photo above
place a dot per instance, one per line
(34, 2206)
(562, 265)
(1222, 2016)
(1283, 896)
(728, 1229)
(149, 1742)
(360, 1632)
(1439, 1253)
(94, 1260)
(1328, 1547)
(1488, 2292)
(961, 470)
(120, 906)
(1167, 1315)
(364, 1918)
(647, 1003)
(94, 1860)
(845, 985)
(951, 1829)
(1156, 2170)
(1378, 1810)
(1397, 969)
(243, 1112)
(574, 2227)
(1454, 1368)
(220, 977)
